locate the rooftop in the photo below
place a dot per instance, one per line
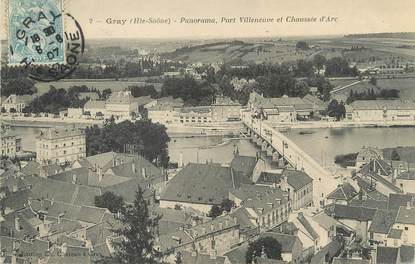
(200, 183)
(60, 132)
(383, 221)
(297, 178)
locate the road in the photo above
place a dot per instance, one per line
(323, 180)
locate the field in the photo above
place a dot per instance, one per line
(406, 86)
(254, 51)
(43, 87)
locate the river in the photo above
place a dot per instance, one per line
(323, 144)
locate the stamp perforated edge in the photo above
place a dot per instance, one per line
(5, 15)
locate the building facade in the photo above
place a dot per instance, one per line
(380, 110)
(9, 143)
(121, 105)
(16, 103)
(224, 109)
(60, 145)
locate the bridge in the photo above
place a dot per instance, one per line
(280, 147)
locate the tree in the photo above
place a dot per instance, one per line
(319, 62)
(145, 90)
(300, 89)
(105, 94)
(268, 246)
(137, 233)
(215, 211)
(395, 155)
(336, 109)
(227, 205)
(111, 201)
(18, 86)
(144, 138)
(302, 45)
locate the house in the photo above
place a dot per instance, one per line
(121, 105)
(118, 173)
(243, 168)
(283, 109)
(381, 225)
(60, 145)
(380, 110)
(357, 219)
(405, 221)
(318, 105)
(267, 206)
(315, 231)
(299, 187)
(165, 111)
(342, 195)
(194, 114)
(394, 255)
(292, 248)
(16, 103)
(224, 109)
(214, 238)
(10, 144)
(199, 186)
(95, 108)
(338, 260)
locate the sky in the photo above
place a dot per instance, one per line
(353, 16)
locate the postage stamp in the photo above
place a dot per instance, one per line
(36, 32)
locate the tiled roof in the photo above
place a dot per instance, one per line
(383, 221)
(331, 250)
(350, 261)
(343, 192)
(407, 254)
(406, 215)
(297, 178)
(303, 220)
(94, 104)
(351, 212)
(382, 105)
(395, 233)
(143, 100)
(246, 222)
(287, 241)
(324, 220)
(200, 183)
(269, 178)
(62, 191)
(188, 257)
(387, 255)
(244, 164)
(237, 254)
(59, 132)
(369, 203)
(397, 199)
(219, 223)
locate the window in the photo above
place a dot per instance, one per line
(406, 228)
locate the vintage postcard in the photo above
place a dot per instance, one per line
(207, 132)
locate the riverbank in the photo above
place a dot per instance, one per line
(42, 122)
(344, 124)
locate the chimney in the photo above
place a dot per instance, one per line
(212, 227)
(408, 205)
(133, 167)
(143, 172)
(17, 223)
(220, 226)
